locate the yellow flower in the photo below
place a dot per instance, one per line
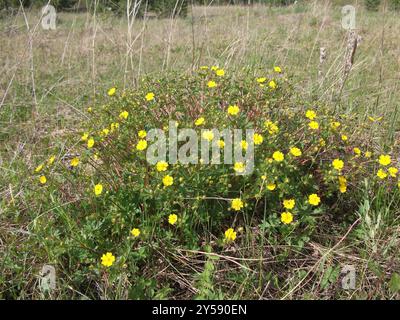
(107, 259)
(135, 232)
(111, 92)
(393, 172)
(168, 181)
(172, 219)
(211, 84)
(342, 184)
(98, 189)
(384, 159)
(237, 204)
(372, 119)
(239, 167)
(74, 162)
(295, 151)
(89, 109)
(230, 235)
(272, 84)
(261, 80)
(278, 156)
(313, 125)
(289, 203)
(124, 115)
(114, 125)
(142, 134)
(204, 68)
(344, 137)
(208, 135)
(314, 199)
(277, 69)
(368, 154)
(161, 166)
(258, 139)
(214, 68)
(105, 132)
(244, 144)
(85, 136)
(141, 145)
(338, 164)
(90, 143)
(149, 96)
(286, 217)
(264, 177)
(39, 168)
(322, 142)
(199, 121)
(233, 110)
(221, 144)
(310, 114)
(271, 186)
(51, 160)
(357, 151)
(335, 125)
(43, 179)
(220, 72)
(381, 174)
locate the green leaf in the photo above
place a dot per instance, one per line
(394, 283)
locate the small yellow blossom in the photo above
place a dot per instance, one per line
(149, 96)
(50, 161)
(112, 91)
(384, 159)
(239, 167)
(314, 199)
(258, 139)
(221, 144)
(335, 125)
(43, 179)
(381, 174)
(244, 144)
(237, 204)
(310, 114)
(124, 115)
(98, 189)
(271, 186)
(220, 72)
(338, 164)
(142, 134)
(89, 109)
(295, 151)
(90, 143)
(313, 125)
(141, 145)
(357, 151)
(208, 135)
(261, 79)
(272, 84)
(39, 168)
(168, 180)
(85, 136)
(107, 259)
(199, 121)
(211, 84)
(233, 110)
(277, 69)
(278, 156)
(393, 172)
(135, 232)
(161, 166)
(74, 162)
(286, 217)
(344, 137)
(289, 203)
(172, 219)
(342, 184)
(230, 235)
(368, 154)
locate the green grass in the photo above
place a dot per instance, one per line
(74, 66)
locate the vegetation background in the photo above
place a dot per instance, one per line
(50, 77)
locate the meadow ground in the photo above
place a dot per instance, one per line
(50, 78)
